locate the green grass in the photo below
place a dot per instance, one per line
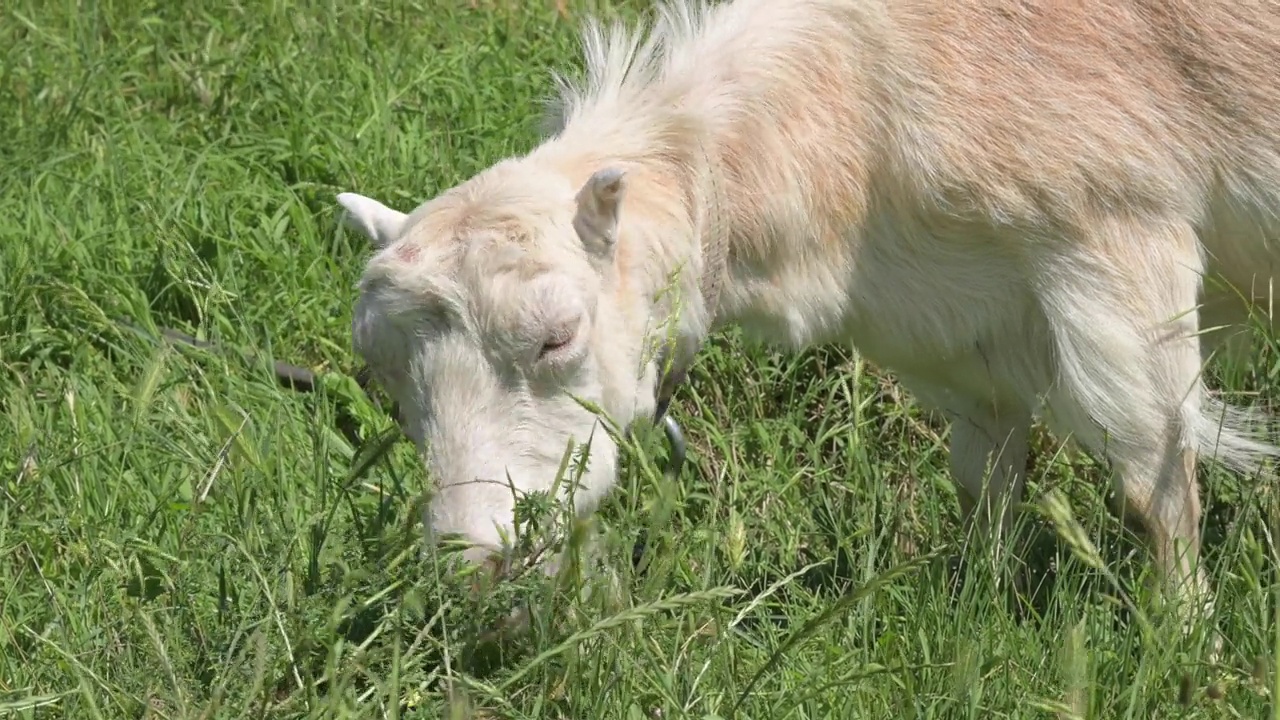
(183, 538)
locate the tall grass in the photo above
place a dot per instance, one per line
(181, 537)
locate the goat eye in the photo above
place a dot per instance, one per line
(552, 347)
(559, 340)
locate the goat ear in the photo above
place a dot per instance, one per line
(599, 206)
(378, 223)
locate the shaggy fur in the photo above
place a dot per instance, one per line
(1017, 206)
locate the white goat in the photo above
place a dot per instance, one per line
(1011, 204)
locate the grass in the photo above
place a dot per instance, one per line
(184, 538)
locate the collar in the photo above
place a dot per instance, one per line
(676, 358)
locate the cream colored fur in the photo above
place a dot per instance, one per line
(1011, 204)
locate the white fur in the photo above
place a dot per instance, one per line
(1011, 205)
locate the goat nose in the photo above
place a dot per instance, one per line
(490, 568)
(481, 555)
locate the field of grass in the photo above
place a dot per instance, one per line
(182, 537)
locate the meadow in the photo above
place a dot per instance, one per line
(182, 536)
